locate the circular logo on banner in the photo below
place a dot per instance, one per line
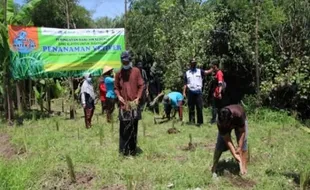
(23, 44)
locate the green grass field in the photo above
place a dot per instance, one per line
(279, 153)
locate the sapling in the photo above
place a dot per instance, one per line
(249, 154)
(304, 179)
(269, 137)
(190, 144)
(57, 126)
(71, 169)
(78, 130)
(101, 135)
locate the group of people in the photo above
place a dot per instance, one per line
(130, 87)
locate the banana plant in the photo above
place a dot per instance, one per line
(9, 17)
(39, 96)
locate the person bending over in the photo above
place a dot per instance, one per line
(232, 117)
(173, 100)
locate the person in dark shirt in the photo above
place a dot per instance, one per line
(232, 117)
(129, 87)
(155, 86)
(145, 93)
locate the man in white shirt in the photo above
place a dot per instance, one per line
(193, 83)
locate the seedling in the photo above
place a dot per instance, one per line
(57, 126)
(269, 137)
(249, 154)
(101, 135)
(71, 169)
(304, 180)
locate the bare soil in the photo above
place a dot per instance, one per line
(7, 150)
(239, 181)
(114, 187)
(60, 179)
(173, 131)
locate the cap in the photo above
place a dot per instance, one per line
(139, 64)
(125, 56)
(193, 60)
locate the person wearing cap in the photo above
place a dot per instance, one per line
(193, 83)
(129, 87)
(145, 94)
(110, 95)
(173, 100)
(88, 99)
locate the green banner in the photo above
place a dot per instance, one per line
(38, 52)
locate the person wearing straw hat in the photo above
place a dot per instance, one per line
(110, 95)
(173, 100)
(88, 97)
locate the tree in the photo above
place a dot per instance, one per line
(53, 14)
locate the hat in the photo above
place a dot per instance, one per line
(125, 56)
(166, 99)
(106, 69)
(139, 64)
(193, 60)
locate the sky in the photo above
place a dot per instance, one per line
(100, 8)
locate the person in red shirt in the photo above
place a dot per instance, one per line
(129, 87)
(218, 89)
(103, 92)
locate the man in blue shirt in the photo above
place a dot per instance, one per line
(193, 84)
(173, 100)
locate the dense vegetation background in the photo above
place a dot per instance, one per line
(170, 32)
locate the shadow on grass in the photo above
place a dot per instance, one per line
(293, 175)
(230, 166)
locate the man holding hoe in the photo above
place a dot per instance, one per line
(232, 117)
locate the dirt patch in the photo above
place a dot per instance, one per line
(189, 147)
(208, 146)
(173, 131)
(239, 181)
(60, 179)
(181, 159)
(7, 150)
(114, 187)
(156, 157)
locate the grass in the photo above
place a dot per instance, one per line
(279, 154)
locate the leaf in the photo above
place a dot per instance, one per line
(25, 11)
(9, 10)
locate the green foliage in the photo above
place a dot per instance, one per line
(170, 32)
(53, 14)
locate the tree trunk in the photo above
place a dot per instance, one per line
(125, 24)
(72, 108)
(48, 97)
(18, 97)
(30, 93)
(256, 47)
(6, 78)
(23, 95)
